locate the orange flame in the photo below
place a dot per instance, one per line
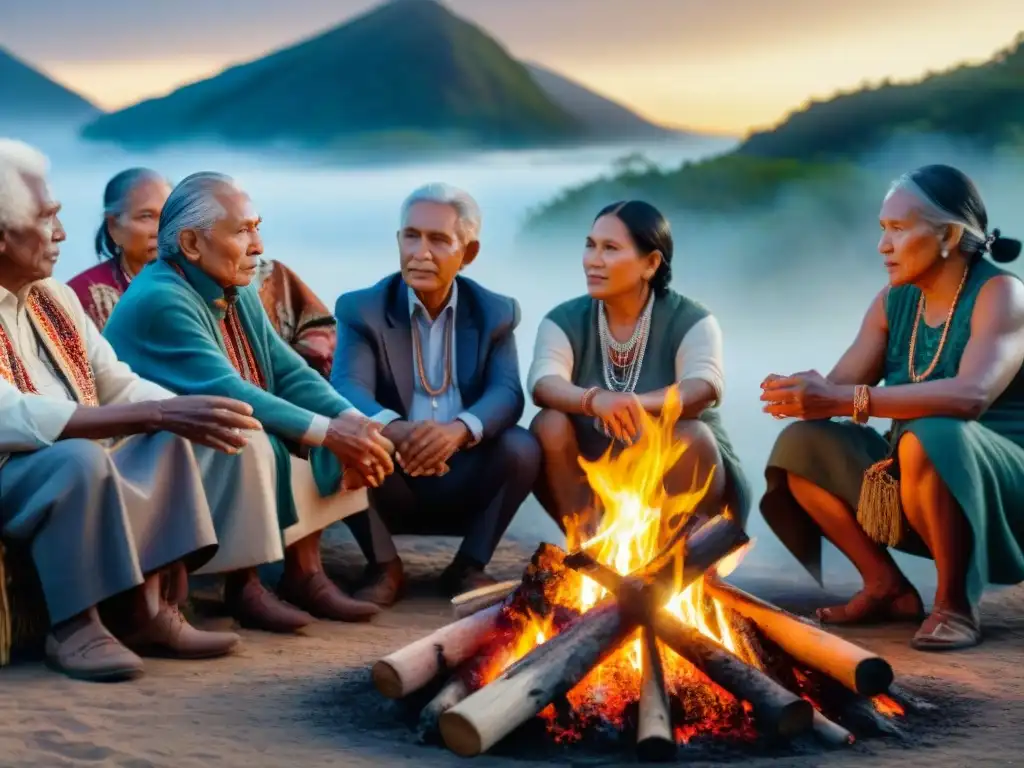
(629, 486)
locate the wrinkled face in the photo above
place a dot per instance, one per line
(910, 245)
(430, 248)
(229, 252)
(135, 230)
(611, 262)
(30, 253)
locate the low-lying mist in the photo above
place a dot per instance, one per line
(788, 282)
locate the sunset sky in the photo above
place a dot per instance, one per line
(720, 65)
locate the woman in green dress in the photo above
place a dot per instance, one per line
(602, 359)
(947, 480)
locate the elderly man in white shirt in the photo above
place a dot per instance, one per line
(99, 477)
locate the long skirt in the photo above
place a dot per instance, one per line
(100, 519)
(983, 470)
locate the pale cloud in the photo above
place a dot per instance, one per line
(719, 64)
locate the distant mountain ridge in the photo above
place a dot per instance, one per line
(406, 73)
(409, 70)
(983, 103)
(603, 118)
(818, 147)
(29, 96)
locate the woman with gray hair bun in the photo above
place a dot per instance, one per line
(947, 480)
(125, 240)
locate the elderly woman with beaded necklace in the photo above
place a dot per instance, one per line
(602, 359)
(947, 337)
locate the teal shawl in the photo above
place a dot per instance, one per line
(166, 327)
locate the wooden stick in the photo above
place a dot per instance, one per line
(654, 740)
(859, 670)
(550, 670)
(410, 668)
(477, 599)
(778, 711)
(830, 733)
(454, 691)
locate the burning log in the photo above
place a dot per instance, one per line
(709, 544)
(863, 716)
(475, 600)
(654, 740)
(858, 669)
(550, 670)
(410, 668)
(778, 711)
(830, 733)
(910, 701)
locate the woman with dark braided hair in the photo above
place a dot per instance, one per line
(125, 240)
(947, 481)
(602, 359)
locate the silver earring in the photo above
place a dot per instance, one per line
(945, 253)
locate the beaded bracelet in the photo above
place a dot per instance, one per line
(861, 403)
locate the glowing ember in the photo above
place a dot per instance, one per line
(638, 518)
(631, 531)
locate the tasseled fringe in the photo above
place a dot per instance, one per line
(879, 511)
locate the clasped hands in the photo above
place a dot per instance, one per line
(424, 447)
(365, 448)
(805, 395)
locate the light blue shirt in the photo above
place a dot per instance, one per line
(446, 406)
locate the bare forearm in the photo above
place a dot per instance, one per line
(98, 423)
(946, 397)
(558, 394)
(696, 395)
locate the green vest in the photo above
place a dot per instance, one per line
(671, 319)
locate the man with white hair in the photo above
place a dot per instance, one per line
(104, 515)
(193, 322)
(432, 357)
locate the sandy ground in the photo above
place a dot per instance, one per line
(290, 700)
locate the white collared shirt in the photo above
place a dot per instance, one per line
(448, 405)
(32, 421)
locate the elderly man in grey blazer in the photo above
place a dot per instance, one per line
(431, 355)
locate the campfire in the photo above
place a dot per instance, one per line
(636, 630)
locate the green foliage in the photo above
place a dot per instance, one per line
(723, 184)
(815, 150)
(983, 103)
(409, 66)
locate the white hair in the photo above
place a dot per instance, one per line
(19, 162)
(932, 212)
(193, 204)
(466, 209)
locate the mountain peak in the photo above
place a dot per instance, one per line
(407, 71)
(29, 96)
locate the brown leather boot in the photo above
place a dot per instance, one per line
(92, 653)
(169, 635)
(382, 583)
(256, 607)
(324, 599)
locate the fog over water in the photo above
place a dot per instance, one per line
(788, 285)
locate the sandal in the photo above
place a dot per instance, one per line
(946, 630)
(864, 608)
